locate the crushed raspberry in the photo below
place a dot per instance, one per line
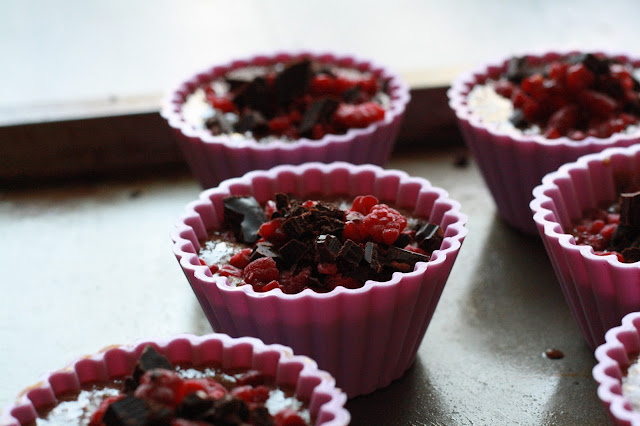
(251, 377)
(354, 228)
(359, 116)
(288, 417)
(230, 271)
(241, 259)
(295, 282)
(262, 270)
(221, 103)
(384, 223)
(250, 394)
(272, 231)
(160, 386)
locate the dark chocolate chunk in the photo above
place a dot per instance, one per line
(403, 260)
(194, 405)
(228, 410)
(518, 119)
(351, 252)
(329, 210)
(402, 240)
(150, 359)
(254, 95)
(254, 122)
(328, 247)
(129, 411)
(630, 209)
(319, 111)
(611, 87)
(282, 201)
(261, 417)
(263, 249)
(631, 254)
(352, 94)
(292, 251)
(516, 69)
(218, 124)
(429, 237)
(593, 63)
(297, 226)
(623, 237)
(293, 81)
(244, 216)
(373, 255)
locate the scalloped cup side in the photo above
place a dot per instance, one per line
(600, 290)
(316, 387)
(365, 337)
(213, 159)
(512, 164)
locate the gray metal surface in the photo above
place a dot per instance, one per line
(89, 265)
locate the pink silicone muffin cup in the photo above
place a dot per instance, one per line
(213, 159)
(512, 164)
(316, 387)
(364, 337)
(599, 289)
(614, 358)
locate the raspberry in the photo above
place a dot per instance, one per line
(354, 228)
(578, 77)
(221, 103)
(335, 280)
(230, 271)
(384, 223)
(278, 125)
(295, 283)
(272, 231)
(322, 84)
(260, 271)
(250, 394)
(241, 259)
(358, 116)
(364, 203)
(160, 386)
(273, 284)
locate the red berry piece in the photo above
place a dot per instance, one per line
(335, 280)
(279, 125)
(579, 77)
(288, 417)
(322, 84)
(230, 271)
(270, 286)
(384, 223)
(272, 231)
(504, 88)
(294, 283)
(241, 259)
(250, 377)
(358, 116)
(250, 394)
(354, 228)
(160, 386)
(364, 203)
(598, 103)
(260, 271)
(221, 103)
(564, 118)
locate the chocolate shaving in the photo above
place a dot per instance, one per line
(297, 226)
(254, 95)
(282, 201)
(293, 81)
(244, 215)
(318, 112)
(263, 249)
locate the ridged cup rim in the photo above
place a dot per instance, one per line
(171, 105)
(608, 371)
(183, 249)
(462, 85)
(307, 368)
(542, 203)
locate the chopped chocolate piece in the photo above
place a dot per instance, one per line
(429, 237)
(263, 249)
(351, 252)
(244, 215)
(129, 411)
(319, 111)
(218, 124)
(228, 410)
(293, 81)
(194, 405)
(402, 240)
(372, 255)
(631, 254)
(623, 237)
(282, 201)
(254, 95)
(328, 248)
(292, 251)
(330, 210)
(150, 359)
(297, 226)
(403, 260)
(630, 209)
(518, 119)
(254, 122)
(592, 62)
(517, 69)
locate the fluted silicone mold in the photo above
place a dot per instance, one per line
(326, 402)
(599, 289)
(614, 358)
(213, 159)
(364, 337)
(512, 164)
